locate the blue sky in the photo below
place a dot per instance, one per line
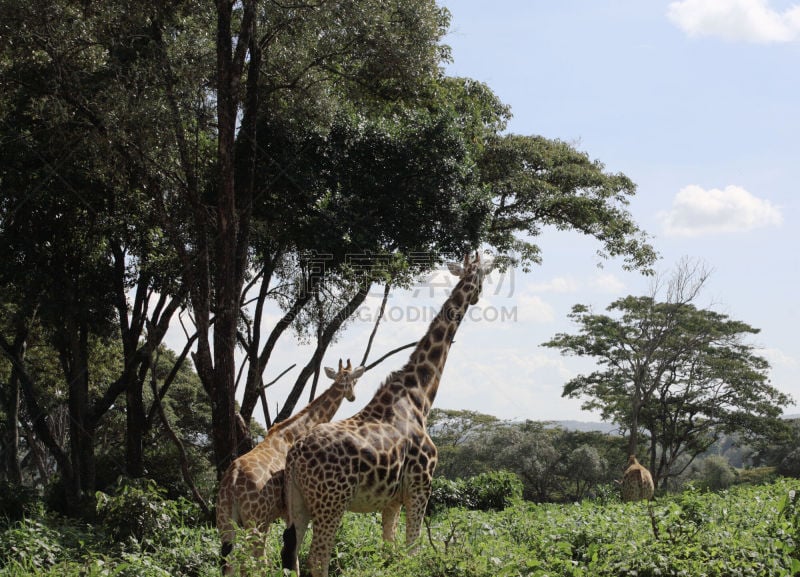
(699, 103)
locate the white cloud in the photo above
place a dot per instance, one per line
(778, 357)
(607, 283)
(556, 285)
(533, 309)
(509, 385)
(696, 211)
(736, 20)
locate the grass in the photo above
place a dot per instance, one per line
(744, 531)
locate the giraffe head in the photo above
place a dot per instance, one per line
(473, 271)
(346, 378)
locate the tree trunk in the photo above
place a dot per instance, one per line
(386, 290)
(15, 352)
(40, 420)
(231, 240)
(184, 460)
(10, 445)
(136, 423)
(74, 354)
(634, 432)
(655, 472)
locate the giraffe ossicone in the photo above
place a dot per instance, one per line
(251, 491)
(381, 458)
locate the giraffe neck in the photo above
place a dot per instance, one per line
(320, 410)
(418, 380)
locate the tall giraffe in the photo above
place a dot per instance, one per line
(381, 458)
(251, 492)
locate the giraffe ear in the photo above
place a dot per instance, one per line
(330, 372)
(357, 372)
(455, 268)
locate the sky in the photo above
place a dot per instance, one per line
(698, 102)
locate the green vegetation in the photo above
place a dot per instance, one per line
(745, 530)
(485, 492)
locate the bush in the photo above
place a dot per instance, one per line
(717, 473)
(493, 491)
(447, 494)
(757, 475)
(138, 509)
(16, 502)
(790, 465)
(33, 541)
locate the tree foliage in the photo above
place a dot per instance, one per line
(537, 182)
(208, 162)
(553, 464)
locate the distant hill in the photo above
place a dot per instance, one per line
(586, 427)
(611, 428)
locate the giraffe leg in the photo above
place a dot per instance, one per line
(389, 518)
(260, 534)
(322, 540)
(415, 513)
(227, 548)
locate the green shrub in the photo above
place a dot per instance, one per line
(745, 531)
(493, 491)
(605, 493)
(138, 509)
(717, 473)
(16, 502)
(447, 493)
(756, 475)
(32, 542)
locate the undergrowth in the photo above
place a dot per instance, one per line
(743, 531)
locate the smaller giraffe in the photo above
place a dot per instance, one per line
(251, 491)
(637, 482)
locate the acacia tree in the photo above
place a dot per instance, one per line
(681, 374)
(366, 202)
(536, 182)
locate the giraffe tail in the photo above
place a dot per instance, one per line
(226, 536)
(227, 518)
(223, 557)
(289, 550)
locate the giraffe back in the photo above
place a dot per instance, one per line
(637, 482)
